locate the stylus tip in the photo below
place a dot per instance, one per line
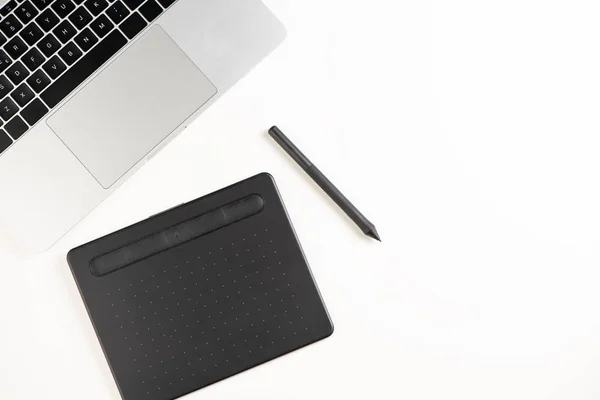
(373, 233)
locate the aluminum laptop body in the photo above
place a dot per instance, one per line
(90, 89)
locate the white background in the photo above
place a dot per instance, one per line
(468, 131)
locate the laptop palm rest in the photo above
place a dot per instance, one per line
(129, 108)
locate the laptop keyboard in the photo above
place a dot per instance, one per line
(49, 47)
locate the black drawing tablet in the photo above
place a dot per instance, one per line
(200, 292)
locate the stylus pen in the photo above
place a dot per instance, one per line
(359, 219)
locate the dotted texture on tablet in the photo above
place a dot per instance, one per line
(206, 309)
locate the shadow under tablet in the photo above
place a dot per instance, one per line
(201, 292)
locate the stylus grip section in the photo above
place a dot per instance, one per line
(177, 235)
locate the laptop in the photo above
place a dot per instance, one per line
(91, 89)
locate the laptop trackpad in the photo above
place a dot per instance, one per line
(129, 108)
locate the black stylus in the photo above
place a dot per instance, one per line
(359, 219)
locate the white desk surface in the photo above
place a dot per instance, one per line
(468, 131)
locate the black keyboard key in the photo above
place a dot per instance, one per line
(81, 70)
(54, 67)
(31, 34)
(5, 86)
(80, 17)
(26, 12)
(48, 45)
(63, 7)
(86, 39)
(47, 20)
(64, 31)
(8, 108)
(41, 4)
(33, 59)
(17, 72)
(96, 6)
(70, 53)
(150, 10)
(5, 61)
(38, 81)
(102, 25)
(2, 39)
(16, 127)
(34, 112)
(10, 26)
(133, 25)
(166, 3)
(5, 141)
(117, 12)
(133, 4)
(8, 7)
(15, 47)
(22, 95)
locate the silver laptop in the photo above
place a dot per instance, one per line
(90, 89)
